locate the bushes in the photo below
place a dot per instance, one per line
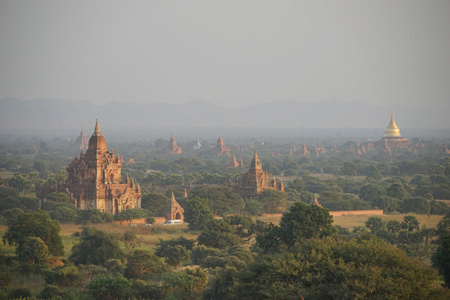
(93, 216)
(19, 293)
(105, 288)
(96, 247)
(144, 265)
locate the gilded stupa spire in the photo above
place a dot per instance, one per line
(392, 129)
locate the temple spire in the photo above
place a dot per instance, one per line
(97, 131)
(392, 129)
(256, 163)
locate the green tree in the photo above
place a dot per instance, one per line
(108, 288)
(93, 216)
(131, 241)
(223, 285)
(253, 207)
(96, 247)
(410, 223)
(129, 214)
(35, 224)
(441, 259)
(175, 255)
(222, 200)
(438, 208)
(337, 269)
(187, 282)
(182, 241)
(394, 226)
(349, 169)
(154, 202)
(418, 205)
(370, 193)
(299, 223)
(387, 203)
(65, 214)
(297, 184)
(144, 265)
(374, 173)
(67, 275)
(304, 222)
(273, 201)
(242, 224)
(197, 213)
(33, 249)
(397, 190)
(443, 227)
(375, 225)
(21, 183)
(219, 234)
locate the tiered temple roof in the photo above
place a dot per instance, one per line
(255, 181)
(94, 179)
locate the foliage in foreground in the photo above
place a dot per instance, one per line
(331, 268)
(35, 224)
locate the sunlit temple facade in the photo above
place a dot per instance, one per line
(256, 180)
(94, 179)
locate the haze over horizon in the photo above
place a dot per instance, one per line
(233, 54)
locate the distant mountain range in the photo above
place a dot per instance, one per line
(57, 114)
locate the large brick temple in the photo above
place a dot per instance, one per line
(94, 179)
(255, 181)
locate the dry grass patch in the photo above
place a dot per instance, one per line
(351, 221)
(150, 234)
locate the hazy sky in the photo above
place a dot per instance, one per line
(227, 52)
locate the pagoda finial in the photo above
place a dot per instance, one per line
(97, 131)
(173, 197)
(392, 129)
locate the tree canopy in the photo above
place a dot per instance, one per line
(331, 268)
(35, 224)
(96, 247)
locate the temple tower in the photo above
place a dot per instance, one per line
(94, 179)
(221, 148)
(82, 141)
(255, 181)
(173, 210)
(172, 147)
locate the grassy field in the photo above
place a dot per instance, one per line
(152, 234)
(352, 221)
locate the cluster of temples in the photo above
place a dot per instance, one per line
(94, 179)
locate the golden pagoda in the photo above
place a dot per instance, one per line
(392, 129)
(392, 137)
